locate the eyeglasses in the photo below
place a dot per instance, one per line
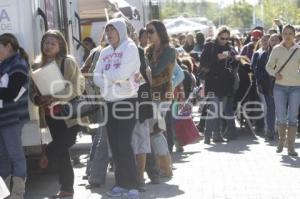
(224, 38)
(150, 31)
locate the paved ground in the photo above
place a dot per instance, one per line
(247, 168)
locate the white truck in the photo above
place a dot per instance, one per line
(28, 20)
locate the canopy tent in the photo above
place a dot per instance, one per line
(183, 25)
(93, 10)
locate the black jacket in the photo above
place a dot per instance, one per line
(219, 78)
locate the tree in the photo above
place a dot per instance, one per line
(287, 12)
(238, 15)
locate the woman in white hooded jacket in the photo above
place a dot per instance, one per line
(116, 73)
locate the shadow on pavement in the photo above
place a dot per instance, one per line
(44, 190)
(162, 190)
(290, 161)
(178, 157)
(237, 146)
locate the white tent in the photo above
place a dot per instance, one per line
(183, 25)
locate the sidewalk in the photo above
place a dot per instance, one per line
(247, 168)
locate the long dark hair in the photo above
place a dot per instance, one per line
(8, 38)
(162, 34)
(161, 31)
(142, 31)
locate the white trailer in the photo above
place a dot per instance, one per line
(28, 20)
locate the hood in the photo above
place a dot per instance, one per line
(120, 25)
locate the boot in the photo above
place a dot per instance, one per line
(18, 188)
(164, 163)
(291, 137)
(282, 137)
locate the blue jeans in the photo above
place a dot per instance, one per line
(287, 101)
(12, 158)
(270, 115)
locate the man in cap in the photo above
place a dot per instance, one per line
(248, 49)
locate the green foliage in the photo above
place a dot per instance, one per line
(287, 11)
(239, 14)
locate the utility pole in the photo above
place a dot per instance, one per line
(221, 12)
(261, 4)
(154, 9)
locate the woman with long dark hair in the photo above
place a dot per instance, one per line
(161, 58)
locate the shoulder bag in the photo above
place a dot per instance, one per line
(273, 79)
(80, 106)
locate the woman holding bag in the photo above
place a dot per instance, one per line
(283, 64)
(63, 131)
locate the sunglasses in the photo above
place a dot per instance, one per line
(224, 38)
(150, 31)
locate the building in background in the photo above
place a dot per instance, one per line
(95, 13)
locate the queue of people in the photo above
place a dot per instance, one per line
(138, 82)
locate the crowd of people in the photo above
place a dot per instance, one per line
(139, 80)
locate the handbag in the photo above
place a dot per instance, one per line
(272, 78)
(80, 106)
(185, 129)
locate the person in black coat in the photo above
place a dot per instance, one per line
(219, 60)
